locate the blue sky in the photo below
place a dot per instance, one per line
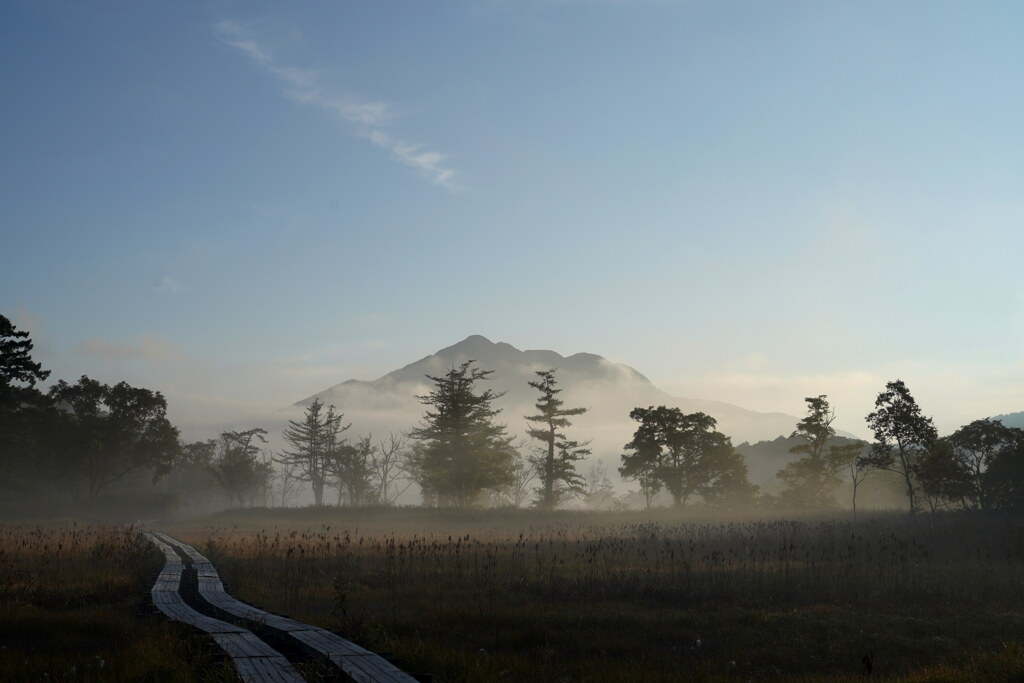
(241, 203)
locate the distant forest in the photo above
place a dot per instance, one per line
(92, 446)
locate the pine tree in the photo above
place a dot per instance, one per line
(462, 452)
(555, 461)
(315, 446)
(22, 433)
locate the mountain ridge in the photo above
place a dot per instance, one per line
(608, 389)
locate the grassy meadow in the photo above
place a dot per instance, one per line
(74, 606)
(531, 596)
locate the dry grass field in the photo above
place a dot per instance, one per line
(74, 607)
(527, 596)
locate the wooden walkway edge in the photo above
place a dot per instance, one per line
(255, 661)
(359, 663)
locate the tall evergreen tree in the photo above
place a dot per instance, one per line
(21, 405)
(461, 451)
(18, 372)
(315, 444)
(555, 461)
(902, 435)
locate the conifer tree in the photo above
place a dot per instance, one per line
(461, 451)
(555, 461)
(21, 406)
(315, 446)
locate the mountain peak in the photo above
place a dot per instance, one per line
(471, 344)
(475, 339)
(609, 389)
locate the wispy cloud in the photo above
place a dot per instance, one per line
(167, 284)
(306, 87)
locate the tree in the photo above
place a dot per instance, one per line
(555, 462)
(190, 476)
(975, 446)
(729, 487)
(942, 478)
(286, 484)
(902, 435)
(853, 464)
(524, 472)
(389, 464)
(643, 467)
(813, 479)
(1003, 481)
(684, 453)
(16, 365)
(461, 451)
(21, 406)
(315, 445)
(106, 432)
(236, 466)
(352, 470)
(598, 492)
(649, 484)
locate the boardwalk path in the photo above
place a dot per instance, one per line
(255, 660)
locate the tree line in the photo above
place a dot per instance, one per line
(86, 437)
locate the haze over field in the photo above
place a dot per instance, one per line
(241, 204)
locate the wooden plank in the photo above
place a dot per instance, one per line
(329, 644)
(373, 669)
(359, 663)
(244, 644)
(255, 660)
(263, 670)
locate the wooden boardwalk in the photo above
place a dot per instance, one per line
(357, 662)
(255, 661)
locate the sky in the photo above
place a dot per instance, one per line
(242, 203)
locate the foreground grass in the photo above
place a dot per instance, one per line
(74, 607)
(476, 597)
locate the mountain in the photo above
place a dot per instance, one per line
(610, 390)
(1011, 420)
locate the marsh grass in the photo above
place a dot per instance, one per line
(477, 596)
(74, 607)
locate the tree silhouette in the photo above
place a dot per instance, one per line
(555, 462)
(236, 467)
(105, 432)
(315, 446)
(352, 471)
(685, 454)
(813, 479)
(976, 446)
(461, 450)
(902, 435)
(21, 405)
